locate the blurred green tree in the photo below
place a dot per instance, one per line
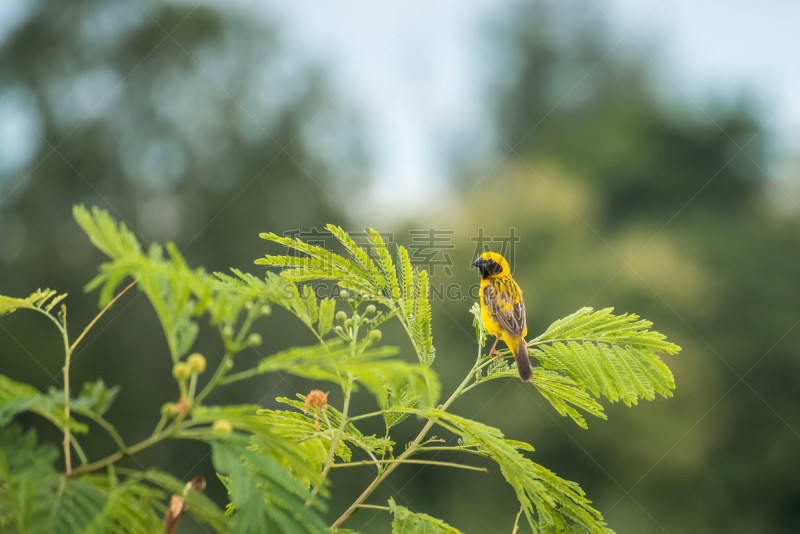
(191, 123)
(625, 193)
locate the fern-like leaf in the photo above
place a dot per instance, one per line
(326, 309)
(559, 505)
(420, 322)
(16, 397)
(611, 355)
(370, 367)
(264, 495)
(407, 522)
(176, 292)
(42, 299)
(375, 280)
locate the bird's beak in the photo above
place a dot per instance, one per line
(480, 262)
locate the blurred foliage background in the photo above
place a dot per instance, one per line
(191, 123)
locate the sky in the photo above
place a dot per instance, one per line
(411, 71)
(409, 67)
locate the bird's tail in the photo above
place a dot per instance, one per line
(520, 350)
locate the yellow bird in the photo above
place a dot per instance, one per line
(503, 310)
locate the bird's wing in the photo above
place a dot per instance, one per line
(504, 299)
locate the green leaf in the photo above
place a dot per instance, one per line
(42, 299)
(28, 481)
(99, 503)
(386, 266)
(480, 331)
(16, 397)
(555, 501)
(561, 391)
(265, 496)
(176, 292)
(407, 275)
(327, 307)
(369, 367)
(377, 281)
(95, 397)
(311, 304)
(420, 321)
(565, 395)
(407, 399)
(303, 428)
(407, 522)
(271, 441)
(610, 355)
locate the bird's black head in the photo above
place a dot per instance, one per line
(488, 266)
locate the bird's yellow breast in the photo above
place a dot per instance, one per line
(491, 326)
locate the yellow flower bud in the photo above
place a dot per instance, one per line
(197, 363)
(375, 336)
(222, 428)
(344, 294)
(181, 371)
(370, 309)
(254, 340)
(266, 309)
(341, 316)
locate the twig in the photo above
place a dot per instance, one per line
(334, 441)
(65, 370)
(375, 507)
(104, 310)
(409, 451)
(406, 461)
(516, 522)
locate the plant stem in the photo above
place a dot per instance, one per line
(406, 461)
(219, 375)
(454, 449)
(516, 522)
(365, 416)
(192, 387)
(155, 438)
(375, 507)
(335, 440)
(216, 379)
(90, 325)
(78, 450)
(348, 390)
(409, 451)
(65, 369)
(250, 373)
(108, 427)
(160, 425)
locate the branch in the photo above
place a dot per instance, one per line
(335, 440)
(219, 377)
(516, 522)
(406, 461)
(108, 427)
(117, 456)
(90, 325)
(375, 507)
(410, 450)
